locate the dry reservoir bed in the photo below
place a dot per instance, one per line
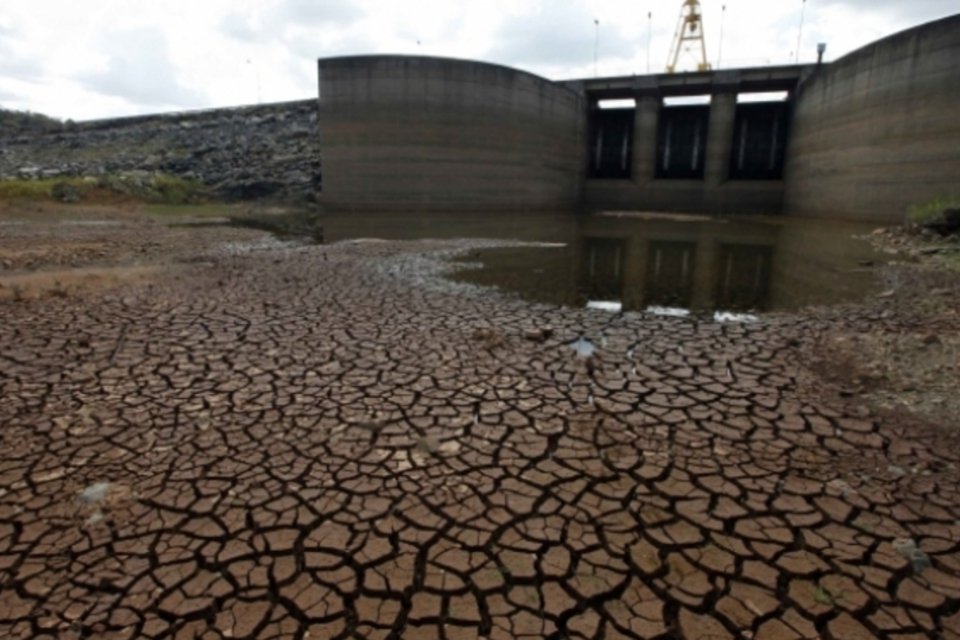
(281, 441)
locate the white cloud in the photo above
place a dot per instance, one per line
(553, 40)
(115, 57)
(139, 69)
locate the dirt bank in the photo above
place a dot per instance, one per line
(909, 366)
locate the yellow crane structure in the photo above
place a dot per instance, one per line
(689, 37)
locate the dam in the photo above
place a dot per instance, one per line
(864, 137)
(451, 351)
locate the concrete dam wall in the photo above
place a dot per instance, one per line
(720, 155)
(265, 150)
(862, 138)
(879, 130)
(420, 133)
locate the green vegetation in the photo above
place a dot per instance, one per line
(155, 188)
(33, 189)
(932, 212)
(139, 186)
(824, 597)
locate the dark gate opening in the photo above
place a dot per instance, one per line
(682, 141)
(759, 141)
(611, 143)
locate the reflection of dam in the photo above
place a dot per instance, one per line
(688, 265)
(691, 262)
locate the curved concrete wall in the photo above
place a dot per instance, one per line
(879, 130)
(419, 133)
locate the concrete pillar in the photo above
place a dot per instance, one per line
(646, 121)
(723, 112)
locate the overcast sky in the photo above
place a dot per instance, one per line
(100, 58)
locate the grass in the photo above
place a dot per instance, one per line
(150, 188)
(824, 597)
(18, 189)
(932, 210)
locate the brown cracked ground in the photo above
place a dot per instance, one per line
(333, 441)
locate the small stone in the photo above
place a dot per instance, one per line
(896, 472)
(95, 493)
(908, 548)
(539, 335)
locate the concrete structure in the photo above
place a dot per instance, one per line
(439, 134)
(864, 137)
(879, 130)
(706, 184)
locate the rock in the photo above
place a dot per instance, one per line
(945, 223)
(887, 294)
(897, 472)
(95, 493)
(908, 548)
(539, 335)
(267, 151)
(930, 339)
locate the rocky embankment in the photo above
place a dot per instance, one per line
(263, 151)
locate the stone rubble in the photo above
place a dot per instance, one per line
(244, 153)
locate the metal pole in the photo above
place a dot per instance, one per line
(649, 37)
(723, 17)
(596, 47)
(803, 11)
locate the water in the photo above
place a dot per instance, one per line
(730, 268)
(671, 265)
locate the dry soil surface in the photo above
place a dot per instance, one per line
(277, 441)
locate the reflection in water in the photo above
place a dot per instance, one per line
(603, 269)
(671, 265)
(670, 274)
(743, 280)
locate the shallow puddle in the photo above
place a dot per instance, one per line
(665, 264)
(730, 268)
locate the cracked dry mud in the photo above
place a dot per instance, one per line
(333, 442)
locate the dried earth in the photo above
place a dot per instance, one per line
(257, 439)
